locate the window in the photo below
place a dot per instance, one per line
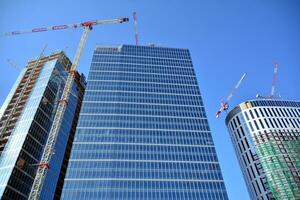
(285, 113)
(278, 120)
(252, 116)
(247, 144)
(293, 113)
(270, 120)
(238, 132)
(289, 112)
(276, 125)
(234, 123)
(277, 112)
(267, 123)
(238, 120)
(242, 130)
(266, 111)
(291, 122)
(256, 113)
(256, 125)
(247, 117)
(281, 112)
(262, 112)
(261, 124)
(251, 126)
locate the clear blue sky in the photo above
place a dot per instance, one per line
(226, 38)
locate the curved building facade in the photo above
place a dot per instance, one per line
(266, 138)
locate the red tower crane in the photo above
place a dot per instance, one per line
(136, 34)
(274, 80)
(272, 95)
(43, 166)
(224, 104)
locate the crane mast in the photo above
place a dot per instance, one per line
(62, 106)
(44, 164)
(63, 102)
(272, 95)
(136, 34)
(274, 80)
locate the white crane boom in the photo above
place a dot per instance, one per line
(274, 80)
(51, 141)
(224, 104)
(235, 88)
(66, 26)
(272, 96)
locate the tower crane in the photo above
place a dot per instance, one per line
(44, 164)
(224, 104)
(136, 34)
(275, 72)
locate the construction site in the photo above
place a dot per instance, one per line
(17, 99)
(137, 128)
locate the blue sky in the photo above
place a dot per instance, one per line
(225, 38)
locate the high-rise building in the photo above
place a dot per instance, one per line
(26, 118)
(142, 131)
(266, 137)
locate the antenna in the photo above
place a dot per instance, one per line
(136, 29)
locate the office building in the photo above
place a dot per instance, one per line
(266, 137)
(142, 131)
(25, 121)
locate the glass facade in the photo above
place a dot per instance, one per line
(25, 145)
(143, 131)
(266, 137)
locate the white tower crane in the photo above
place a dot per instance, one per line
(43, 166)
(272, 95)
(224, 104)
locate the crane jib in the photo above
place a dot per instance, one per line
(39, 29)
(15, 33)
(60, 27)
(49, 147)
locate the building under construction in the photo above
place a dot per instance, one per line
(266, 137)
(26, 119)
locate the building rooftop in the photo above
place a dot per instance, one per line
(260, 102)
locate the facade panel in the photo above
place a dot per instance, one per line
(142, 131)
(266, 137)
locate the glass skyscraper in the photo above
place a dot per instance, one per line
(142, 131)
(26, 118)
(266, 137)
